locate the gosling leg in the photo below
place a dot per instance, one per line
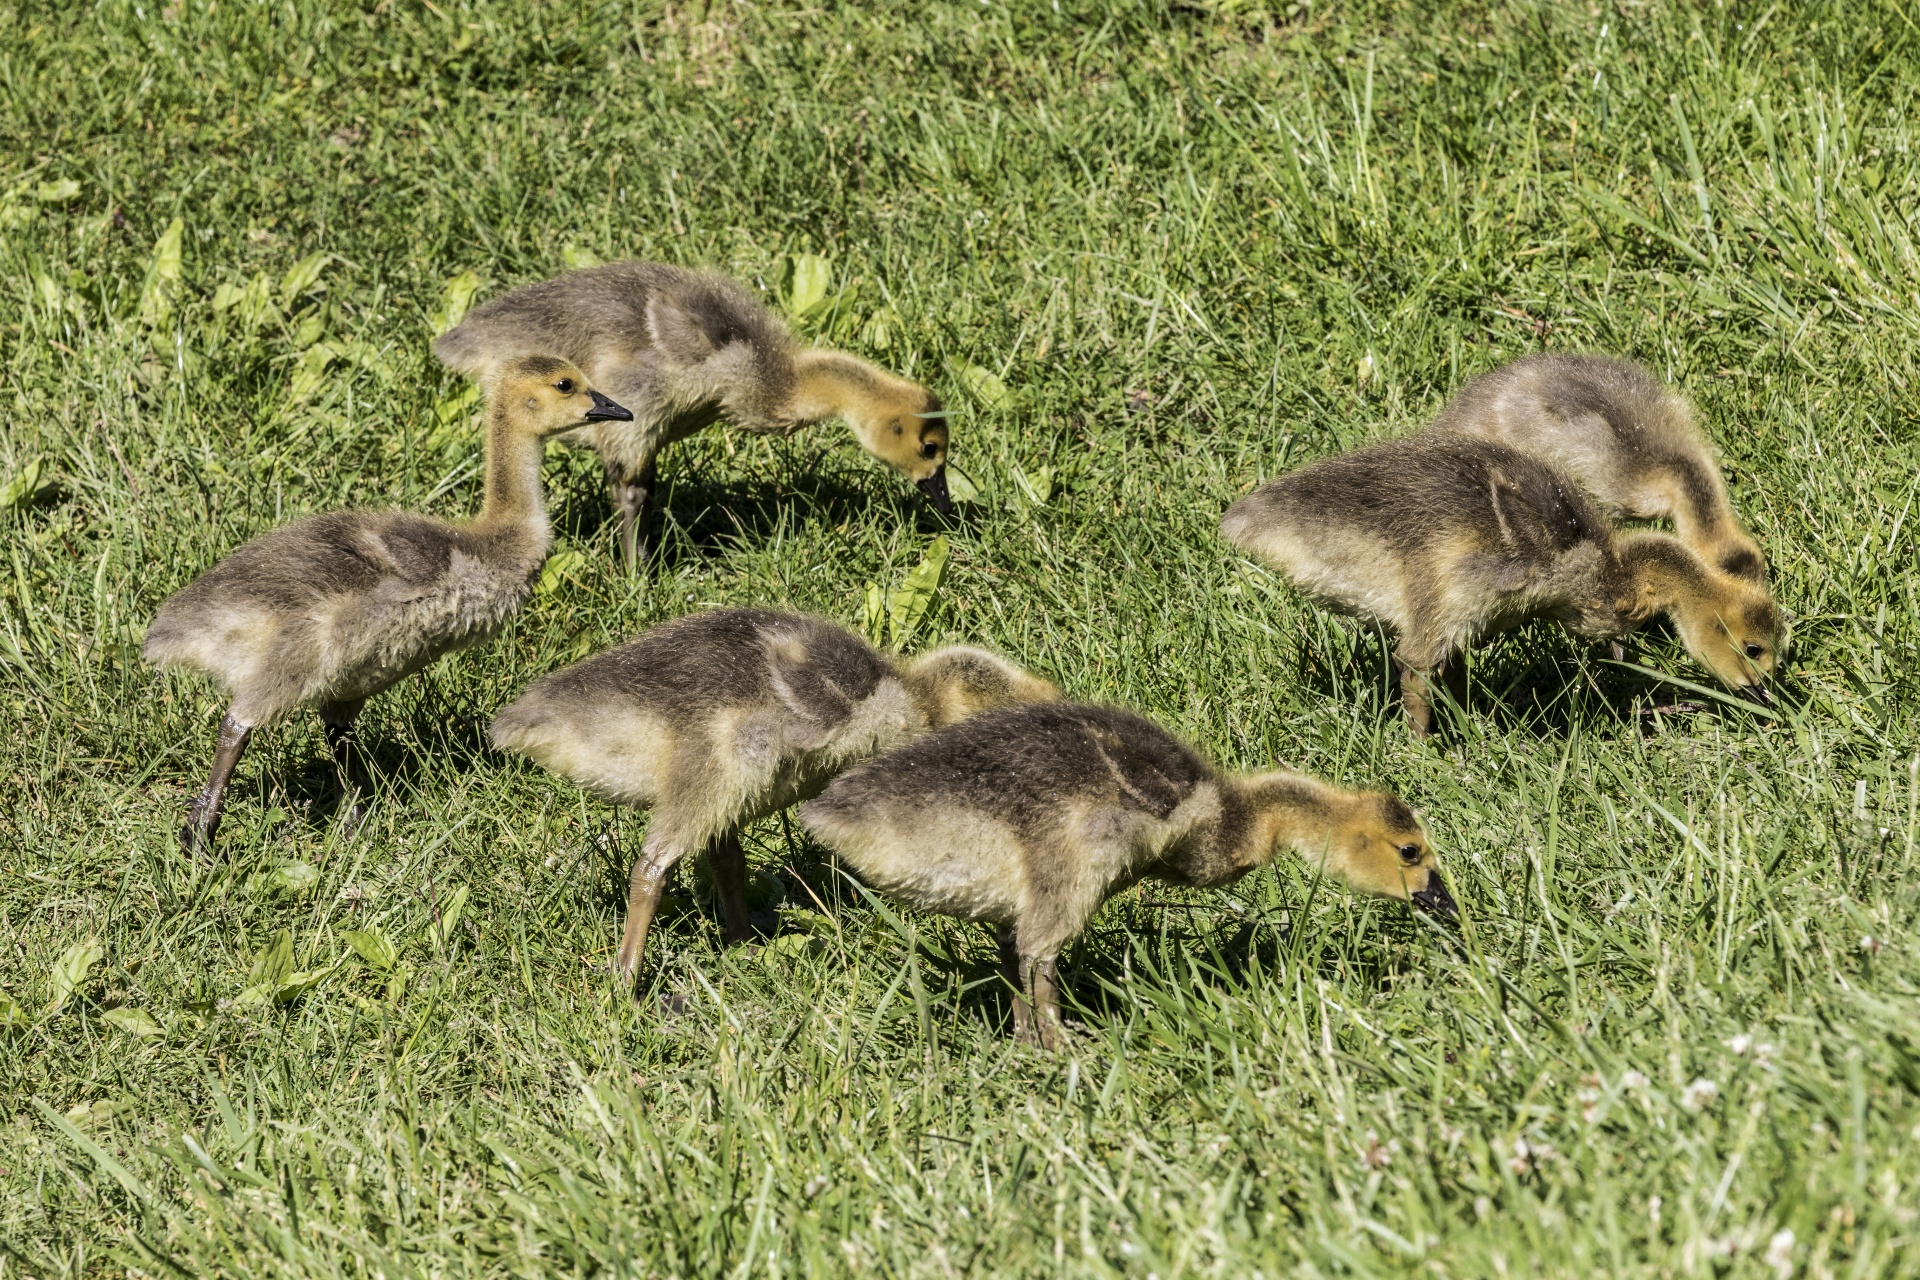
(349, 765)
(644, 887)
(630, 493)
(1043, 978)
(729, 863)
(203, 811)
(1011, 969)
(1414, 697)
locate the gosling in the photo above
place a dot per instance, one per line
(1624, 437)
(718, 719)
(330, 610)
(1030, 818)
(1447, 539)
(683, 349)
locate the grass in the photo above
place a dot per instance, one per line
(1153, 254)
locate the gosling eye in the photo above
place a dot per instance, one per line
(1755, 650)
(564, 386)
(929, 450)
(1410, 854)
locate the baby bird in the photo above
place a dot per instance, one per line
(1029, 818)
(1623, 436)
(717, 719)
(682, 349)
(1448, 538)
(335, 608)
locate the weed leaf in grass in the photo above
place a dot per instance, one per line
(449, 916)
(296, 878)
(274, 979)
(1036, 485)
(21, 486)
(57, 192)
(454, 301)
(12, 1012)
(135, 1022)
(907, 606)
(809, 277)
(163, 277)
(960, 486)
(560, 568)
(275, 964)
(373, 947)
(576, 258)
(984, 386)
(310, 373)
(71, 970)
(302, 278)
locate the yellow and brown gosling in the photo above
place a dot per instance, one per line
(684, 349)
(1447, 539)
(1624, 437)
(717, 719)
(330, 610)
(1030, 818)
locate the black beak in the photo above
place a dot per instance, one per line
(605, 410)
(935, 487)
(1436, 899)
(1757, 694)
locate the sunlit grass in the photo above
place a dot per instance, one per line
(1151, 256)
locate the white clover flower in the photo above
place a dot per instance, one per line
(1653, 1209)
(1521, 1162)
(1699, 1095)
(1780, 1253)
(1870, 944)
(1376, 1156)
(1741, 1043)
(1633, 1080)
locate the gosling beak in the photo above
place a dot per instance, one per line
(1436, 899)
(605, 410)
(935, 487)
(1756, 694)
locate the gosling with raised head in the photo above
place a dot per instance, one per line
(1030, 818)
(330, 610)
(1623, 435)
(718, 719)
(683, 349)
(1448, 539)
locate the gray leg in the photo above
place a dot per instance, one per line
(1414, 697)
(729, 863)
(644, 887)
(630, 493)
(1010, 968)
(1618, 650)
(349, 765)
(203, 812)
(1043, 974)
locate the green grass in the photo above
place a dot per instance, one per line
(1175, 235)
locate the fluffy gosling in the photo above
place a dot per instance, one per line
(1030, 818)
(718, 719)
(1448, 539)
(1626, 438)
(330, 610)
(684, 348)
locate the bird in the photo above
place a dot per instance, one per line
(684, 349)
(330, 610)
(1029, 818)
(1622, 435)
(719, 718)
(1448, 538)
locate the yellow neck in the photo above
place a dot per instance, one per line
(512, 495)
(1287, 810)
(1659, 570)
(826, 383)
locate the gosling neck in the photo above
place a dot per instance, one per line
(1659, 571)
(1284, 810)
(829, 383)
(512, 497)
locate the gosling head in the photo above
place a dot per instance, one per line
(904, 426)
(950, 684)
(1373, 841)
(1732, 627)
(540, 395)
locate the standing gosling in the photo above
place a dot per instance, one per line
(718, 719)
(1030, 818)
(1448, 538)
(335, 608)
(1622, 435)
(683, 348)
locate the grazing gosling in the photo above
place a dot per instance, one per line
(1448, 538)
(1622, 435)
(684, 348)
(718, 719)
(330, 610)
(1030, 818)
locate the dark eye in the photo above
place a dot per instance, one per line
(1409, 853)
(564, 386)
(1755, 650)
(929, 450)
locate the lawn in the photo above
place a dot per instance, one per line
(1150, 254)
